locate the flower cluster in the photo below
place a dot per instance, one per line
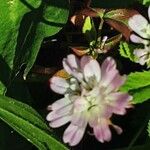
(91, 97)
(141, 27)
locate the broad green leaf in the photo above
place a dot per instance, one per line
(136, 80)
(140, 95)
(126, 50)
(138, 85)
(89, 30)
(24, 25)
(26, 121)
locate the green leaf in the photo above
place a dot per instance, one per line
(138, 85)
(126, 50)
(140, 95)
(136, 80)
(24, 25)
(28, 123)
(89, 30)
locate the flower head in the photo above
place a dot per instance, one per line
(141, 26)
(143, 55)
(91, 97)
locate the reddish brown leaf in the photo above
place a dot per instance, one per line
(79, 17)
(119, 27)
(110, 43)
(80, 51)
(120, 15)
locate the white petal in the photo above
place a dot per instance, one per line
(70, 63)
(138, 24)
(59, 85)
(60, 121)
(60, 103)
(90, 68)
(140, 52)
(142, 55)
(136, 39)
(59, 113)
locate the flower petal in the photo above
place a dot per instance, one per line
(60, 121)
(59, 113)
(117, 128)
(142, 55)
(73, 134)
(59, 85)
(90, 68)
(79, 119)
(109, 71)
(60, 103)
(136, 39)
(118, 102)
(80, 105)
(116, 82)
(71, 65)
(102, 131)
(139, 24)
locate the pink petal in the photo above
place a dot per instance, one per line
(118, 102)
(60, 121)
(59, 85)
(102, 131)
(116, 82)
(79, 119)
(90, 68)
(138, 24)
(60, 103)
(109, 71)
(73, 134)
